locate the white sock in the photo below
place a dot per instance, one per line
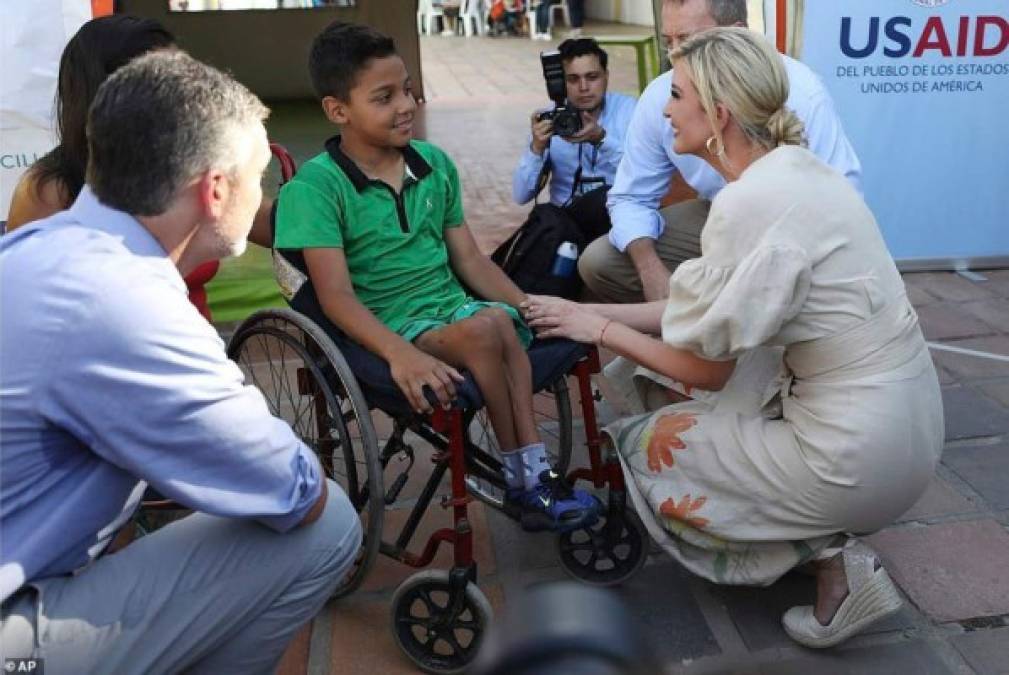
(534, 462)
(514, 470)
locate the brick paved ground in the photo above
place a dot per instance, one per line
(949, 554)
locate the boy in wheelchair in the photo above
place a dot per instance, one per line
(378, 219)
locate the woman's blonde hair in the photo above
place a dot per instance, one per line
(739, 69)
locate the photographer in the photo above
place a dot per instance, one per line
(586, 159)
(645, 245)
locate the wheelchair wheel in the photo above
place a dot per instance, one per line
(484, 476)
(607, 553)
(435, 636)
(308, 384)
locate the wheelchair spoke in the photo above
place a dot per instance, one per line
(552, 412)
(423, 622)
(586, 546)
(261, 343)
(306, 382)
(466, 624)
(299, 409)
(276, 378)
(429, 647)
(250, 377)
(450, 638)
(432, 606)
(285, 383)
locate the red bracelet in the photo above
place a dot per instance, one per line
(603, 331)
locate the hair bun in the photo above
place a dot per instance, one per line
(785, 128)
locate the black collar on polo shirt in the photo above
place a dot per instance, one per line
(415, 164)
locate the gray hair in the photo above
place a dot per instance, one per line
(724, 12)
(159, 122)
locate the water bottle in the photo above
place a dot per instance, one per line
(565, 261)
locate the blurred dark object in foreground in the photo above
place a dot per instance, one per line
(566, 628)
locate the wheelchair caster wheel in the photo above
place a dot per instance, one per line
(606, 553)
(439, 633)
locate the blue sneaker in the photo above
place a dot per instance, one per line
(552, 505)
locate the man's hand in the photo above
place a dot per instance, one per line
(542, 131)
(590, 132)
(652, 271)
(412, 369)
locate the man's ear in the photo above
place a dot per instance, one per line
(214, 190)
(335, 109)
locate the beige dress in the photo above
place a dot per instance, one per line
(742, 488)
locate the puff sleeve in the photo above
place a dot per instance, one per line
(720, 312)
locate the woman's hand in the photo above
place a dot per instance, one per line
(556, 317)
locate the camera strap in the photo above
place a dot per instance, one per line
(579, 181)
(542, 178)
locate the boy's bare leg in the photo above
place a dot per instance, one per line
(475, 344)
(520, 378)
(486, 344)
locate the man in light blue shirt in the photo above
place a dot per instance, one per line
(596, 149)
(635, 261)
(111, 380)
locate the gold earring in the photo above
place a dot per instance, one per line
(713, 140)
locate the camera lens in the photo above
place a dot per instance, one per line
(567, 122)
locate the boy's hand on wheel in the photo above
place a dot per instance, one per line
(413, 369)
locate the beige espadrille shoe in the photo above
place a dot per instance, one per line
(871, 596)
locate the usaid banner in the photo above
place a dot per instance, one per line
(32, 36)
(922, 87)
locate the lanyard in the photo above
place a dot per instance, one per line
(580, 182)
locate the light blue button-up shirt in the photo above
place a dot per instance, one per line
(110, 378)
(649, 161)
(597, 162)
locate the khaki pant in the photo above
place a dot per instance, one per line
(610, 275)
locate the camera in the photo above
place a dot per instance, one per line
(567, 119)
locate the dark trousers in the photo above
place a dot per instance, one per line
(577, 10)
(543, 15)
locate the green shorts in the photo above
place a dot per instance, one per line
(411, 330)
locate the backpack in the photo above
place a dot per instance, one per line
(527, 256)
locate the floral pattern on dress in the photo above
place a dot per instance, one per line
(665, 437)
(682, 511)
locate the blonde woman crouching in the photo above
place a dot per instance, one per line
(741, 489)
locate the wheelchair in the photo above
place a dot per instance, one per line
(326, 387)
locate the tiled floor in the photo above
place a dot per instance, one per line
(949, 553)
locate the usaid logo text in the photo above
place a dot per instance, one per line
(901, 36)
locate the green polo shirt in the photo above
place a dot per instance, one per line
(394, 243)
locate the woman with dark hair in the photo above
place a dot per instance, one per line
(93, 53)
(52, 184)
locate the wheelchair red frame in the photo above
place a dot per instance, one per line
(446, 431)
